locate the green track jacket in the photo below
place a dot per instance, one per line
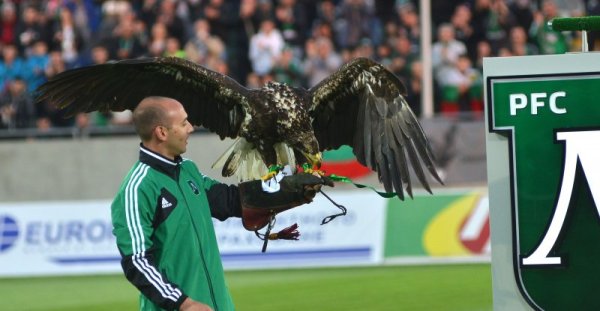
(163, 227)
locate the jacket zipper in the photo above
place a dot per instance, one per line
(210, 286)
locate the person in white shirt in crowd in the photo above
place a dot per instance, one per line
(446, 50)
(265, 47)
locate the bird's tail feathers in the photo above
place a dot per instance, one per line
(243, 160)
(231, 158)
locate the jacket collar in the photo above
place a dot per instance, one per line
(160, 163)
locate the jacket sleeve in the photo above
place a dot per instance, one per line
(224, 201)
(132, 215)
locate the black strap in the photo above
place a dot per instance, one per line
(265, 236)
(327, 219)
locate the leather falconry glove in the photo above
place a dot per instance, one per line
(258, 206)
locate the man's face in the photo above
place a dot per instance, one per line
(178, 132)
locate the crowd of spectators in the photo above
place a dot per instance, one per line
(294, 41)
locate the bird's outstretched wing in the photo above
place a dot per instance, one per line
(212, 100)
(362, 105)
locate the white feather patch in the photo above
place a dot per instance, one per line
(251, 165)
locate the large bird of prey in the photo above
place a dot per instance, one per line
(361, 105)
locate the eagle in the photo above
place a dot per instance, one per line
(361, 105)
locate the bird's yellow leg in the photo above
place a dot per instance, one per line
(273, 170)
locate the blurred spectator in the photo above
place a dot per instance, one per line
(441, 11)
(323, 30)
(16, 106)
(385, 10)
(355, 22)
(492, 20)
(571, 7)
(364, 49)
(383, 55)
(175, 25)
(265, 47)
(248, 16)
(291, 19)
(158, 40)
(203, 45)
(483, 50)
(519, 45)
(8, 23)
(86, 17)
(56, 64)
(461, 87)
(461, 21)
(31, 29)
(391, 31)
(11, 66)
(99, 55)
(264, 10)
(112, 12)
(67, 38)
(214, 14)
(446, 50)
(148, 11)
(36, 65)
(115, 8)
(548, 40)
(218, 65)
(82, 124)
(409, 25)
(125, 43)
(122, 118)
(173, 48)
(46, 114)
(402, 57)
(226, 23)
(253, 81)
(593, 8)
(321, 60)
(326, 14)
(522, 12)
(288, 69)
(415, 87)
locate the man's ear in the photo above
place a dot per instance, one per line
(161, 133)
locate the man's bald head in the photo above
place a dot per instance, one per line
(152, 112)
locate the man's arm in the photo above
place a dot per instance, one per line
(224, 201)
(141, 271)
(132, 215)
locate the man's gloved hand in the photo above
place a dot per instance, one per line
(295, 190)
(307, 184)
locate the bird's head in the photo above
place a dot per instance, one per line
(309, 147)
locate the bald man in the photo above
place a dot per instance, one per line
(162, 214)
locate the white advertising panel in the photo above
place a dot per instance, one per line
(57, 238)
(75, 237)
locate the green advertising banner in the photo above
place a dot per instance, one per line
(444, 225)
(552, 124)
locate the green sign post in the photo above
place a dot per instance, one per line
(543, 147)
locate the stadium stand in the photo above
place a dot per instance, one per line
(309, 40)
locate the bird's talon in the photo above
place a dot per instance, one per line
(316, 172)
(268, 175)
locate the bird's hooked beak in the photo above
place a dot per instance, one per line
(314, 159)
